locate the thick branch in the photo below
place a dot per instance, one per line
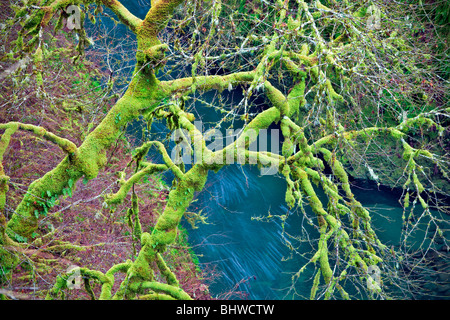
(125, 186)
(158, 16)
(184, 85)
(68, 146)
(123, 14)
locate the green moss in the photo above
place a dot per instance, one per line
(418, 184)
(3, 189)
(140, 269)
(8, 261)
(39, 80)
(24, 222)
(170, 290)
(325, 265)
(406, 200)
(38, 57)
(315, 285)
(293, 24)
(168, 275)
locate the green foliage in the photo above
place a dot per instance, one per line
(20, 238)
(45, 203)
(117, 118)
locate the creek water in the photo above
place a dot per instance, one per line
(252, 256)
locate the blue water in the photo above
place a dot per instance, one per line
(245, 249)
(254, 254)
(242, 248)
